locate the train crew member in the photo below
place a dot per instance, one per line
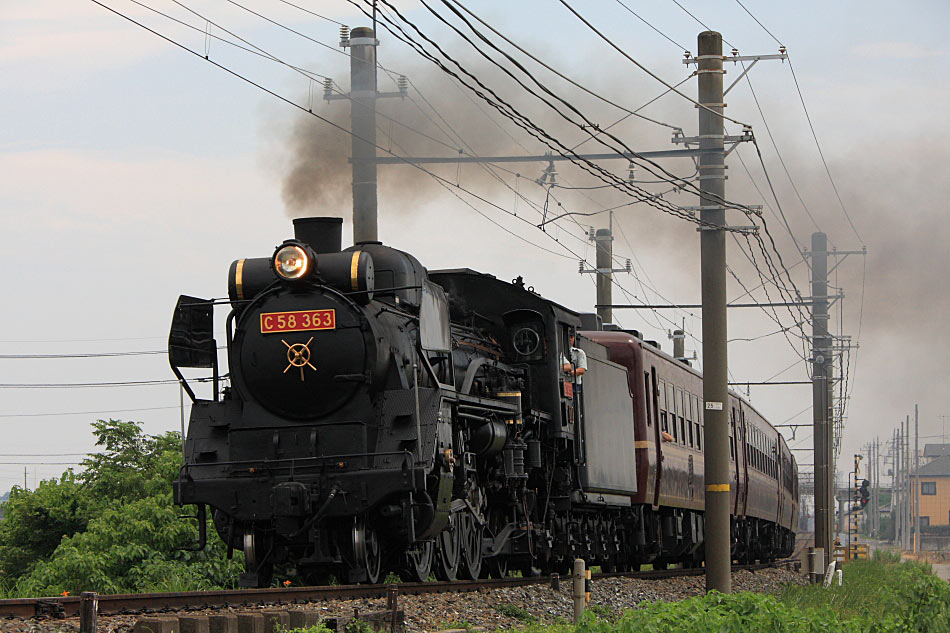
(577, 365)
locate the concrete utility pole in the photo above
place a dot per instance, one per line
(901, 461)
(822, 370)
(908, 521)
(895, 488)
(603, 240)
(877, 485)
(362, 43)
(916, 481)
(712, 183)
(605, 252)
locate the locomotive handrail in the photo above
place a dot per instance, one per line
(293, 460)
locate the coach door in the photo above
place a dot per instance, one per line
(742, 475)
(658, 395)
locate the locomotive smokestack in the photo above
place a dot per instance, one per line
(323, 235)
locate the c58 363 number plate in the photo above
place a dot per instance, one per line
(297, 321)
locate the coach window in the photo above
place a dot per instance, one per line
(661, 400)
(732, 436)
(680, 413)
(688, 406)
(671, 406)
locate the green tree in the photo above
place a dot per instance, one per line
(130, 537)
(35, 521)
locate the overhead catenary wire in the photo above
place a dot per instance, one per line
(507, 110)
(484, 39)
(443, 181)
(306, 73)
(544, 64)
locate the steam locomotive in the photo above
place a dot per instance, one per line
(381, 417)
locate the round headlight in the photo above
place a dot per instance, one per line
(291, 261)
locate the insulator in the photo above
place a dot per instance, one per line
(403, 84)
(591, 234)
(344, 34)
(687, 54)
(631, 170)
(735, 52)
(327, 88)
(580, 266)
(629, 266)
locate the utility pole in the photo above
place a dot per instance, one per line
(603, 240)
(362, 43)
(363, 94)
(880, 466)
(895, 488)
(24, 479)
(908, 464)
(712, 185)
(821, 392)
(916, 481)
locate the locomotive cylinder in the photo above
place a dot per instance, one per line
(488, 438)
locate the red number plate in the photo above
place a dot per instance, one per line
(298, 321)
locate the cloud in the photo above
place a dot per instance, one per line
(895, 50)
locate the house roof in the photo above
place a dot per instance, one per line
(939, 467)
(936, 450)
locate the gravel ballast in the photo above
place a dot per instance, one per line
(502, 608)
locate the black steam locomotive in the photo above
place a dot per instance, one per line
(383, 417)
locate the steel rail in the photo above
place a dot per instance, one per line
(116, 604)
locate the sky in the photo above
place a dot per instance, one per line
(132, 171)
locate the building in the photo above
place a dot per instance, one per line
(934, 451)
(934, 493)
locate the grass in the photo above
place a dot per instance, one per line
(468, 626)
(873, 588)
(317, 628)
(881, 595)
(516, 612)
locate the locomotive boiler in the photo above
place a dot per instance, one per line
(376, 416)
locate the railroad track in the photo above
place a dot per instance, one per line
(116, 604)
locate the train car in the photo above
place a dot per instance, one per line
(379, 416)
(669, 439)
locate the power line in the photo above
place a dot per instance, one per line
(811, 126)
(668, 38)
(84, 355)
(67, 413)
(555, 71)
(305, 10)
(40, 463)
(507, 110)
(77, 385)
(43, 454)
(642, 67)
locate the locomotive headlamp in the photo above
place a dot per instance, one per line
(293, 260)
